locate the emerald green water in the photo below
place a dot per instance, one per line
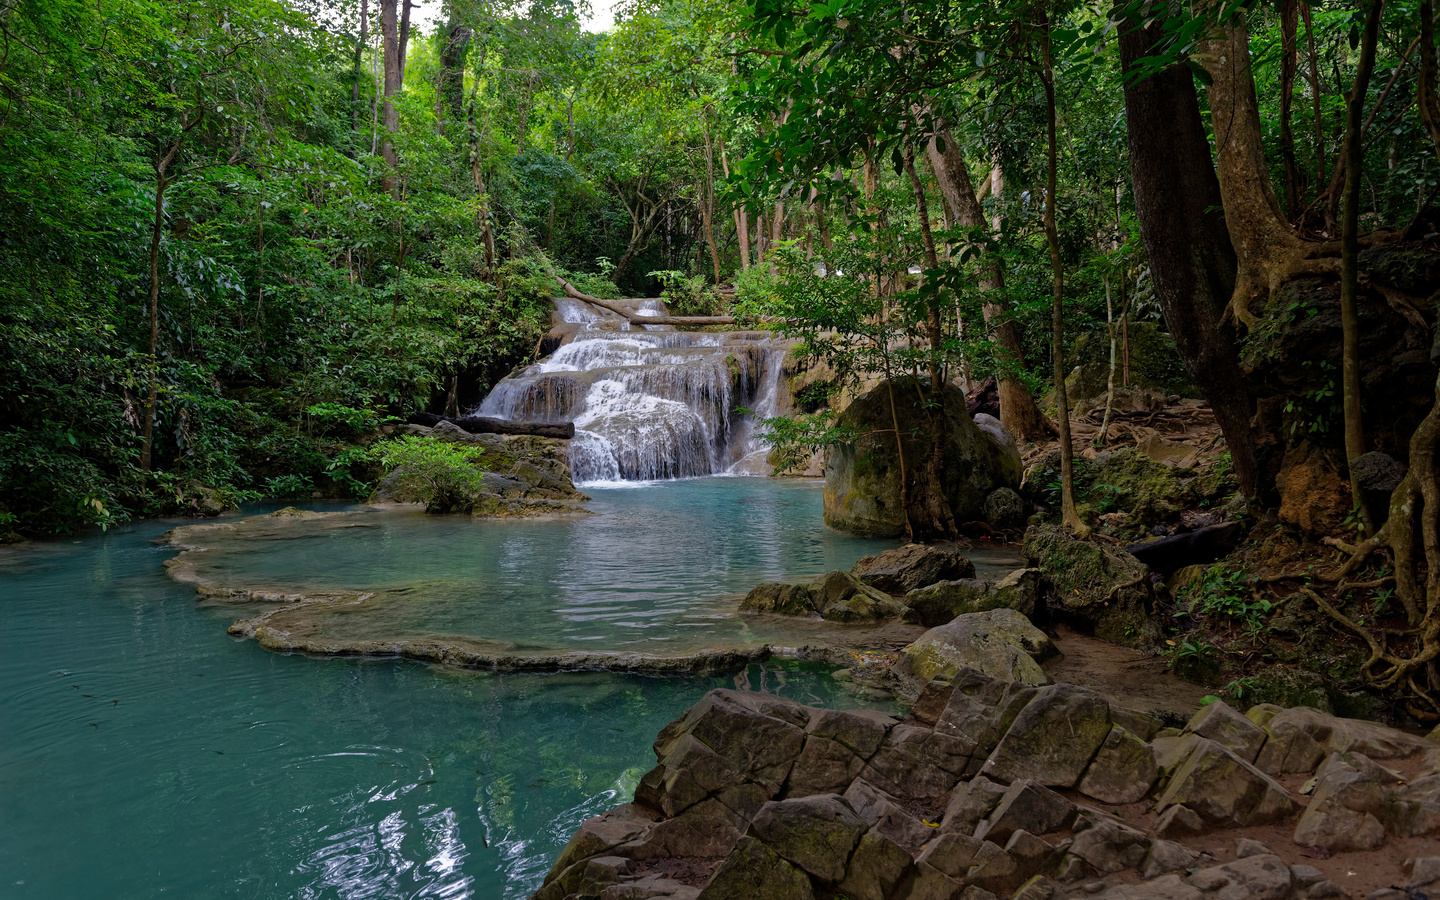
(144, 752)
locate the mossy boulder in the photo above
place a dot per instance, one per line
(1146, 492)
(943, 601)
(862, 478)
(1002, 643)
(838, 597)
(1098, 587)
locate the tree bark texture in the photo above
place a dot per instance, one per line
(452, 72)
(389, 115)
(1265, 245)
(1192, 262)
(1018, 411)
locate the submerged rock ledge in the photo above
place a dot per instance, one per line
(312, 621)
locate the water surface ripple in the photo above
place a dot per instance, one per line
(144, 752)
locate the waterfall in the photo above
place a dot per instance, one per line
(649, 404)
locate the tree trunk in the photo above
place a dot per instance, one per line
(1069, 518)
(1349, 253)
(1018, 411)
(404, 37)
(707, 202)
(1315, 97)
(389, 116)
(1178, 202)
(742, 219)
(452, 72)
(1266, 247)
(1289, 60)
(1425, 89)
(938, 519)
(1103, 437)
(157, 231)
(359, 55)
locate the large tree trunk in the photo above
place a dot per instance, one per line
(1425, 89)
(1192, 263)
(1266, 247)
(389, 116)
(452, 73)
(1017, 408)
(1350, 251)
(404, 37)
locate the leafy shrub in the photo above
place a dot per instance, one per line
(444, 476)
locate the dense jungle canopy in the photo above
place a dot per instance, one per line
(238, 236)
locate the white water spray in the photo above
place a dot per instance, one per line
(651, 404)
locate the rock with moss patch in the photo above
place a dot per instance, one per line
(1099, 587)
(939, 603)
(1053, 739)
(1000, 642)
(862, 479)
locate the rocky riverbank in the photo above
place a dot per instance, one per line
(992, 788)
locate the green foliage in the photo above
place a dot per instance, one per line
(444, 476)
(1227, 592)
(796, 438)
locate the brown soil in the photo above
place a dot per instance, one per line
(1131, 677)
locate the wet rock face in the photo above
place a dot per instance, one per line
(862, 480)
(991, 788)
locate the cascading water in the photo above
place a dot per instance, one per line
(649, 404)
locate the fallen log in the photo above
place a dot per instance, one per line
(635, 318)
(487, 425)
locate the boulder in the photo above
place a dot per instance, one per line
(1123, 771)
(1252, 878)
(1004, 510)
(1224, 789)
(837, 597)
(862, 479)
(1229, 729)
(1107, 847)
(916, 762)
(1004, 451)
(754, 870)
(875, 868)
(1000, 643)
(1340, 816)
(1314, 495)
(817, 834)
(943, 601)
(912, 566)
(971, 803)
(845, 598)
(1026, 806)
(1100, 588)
(1053, 739)
(782, 599)
(885, 816)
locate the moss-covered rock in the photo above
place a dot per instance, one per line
(862, 479)
(1001, 643)
(1098, 586)
(943, 601)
